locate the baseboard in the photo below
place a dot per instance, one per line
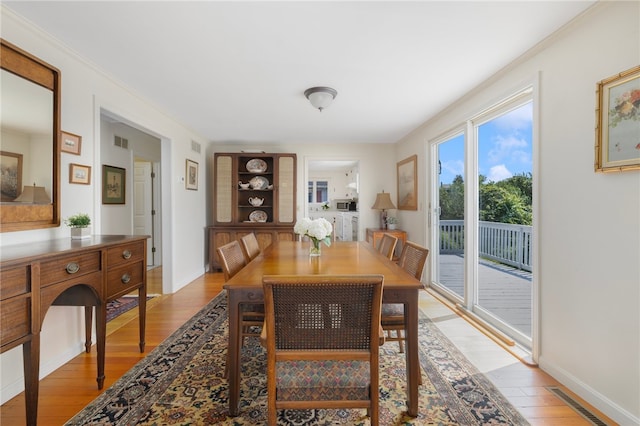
(16, 387)
(596, 399)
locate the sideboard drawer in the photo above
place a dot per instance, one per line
(124, 279)
(14, 282)
(15, 317)
(66, 267)
(125, 253)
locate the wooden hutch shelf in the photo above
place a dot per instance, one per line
(253, 192)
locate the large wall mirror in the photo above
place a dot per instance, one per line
(30, 148)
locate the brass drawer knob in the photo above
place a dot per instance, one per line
(125, 279)
(72, 267)
(126, 254)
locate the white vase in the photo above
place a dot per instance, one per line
(80, 233)
(391, 226)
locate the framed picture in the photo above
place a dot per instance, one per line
(408, 183)
(618, 122)
(79, 174)
(70, 143)
(10, 175)
(113, 185)
(192, 175)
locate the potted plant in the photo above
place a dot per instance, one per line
(392, 222)
(79, 225)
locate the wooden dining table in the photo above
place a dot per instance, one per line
(343, 257)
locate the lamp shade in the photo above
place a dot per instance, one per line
(320, 97)
(383, 202)
(34, 195)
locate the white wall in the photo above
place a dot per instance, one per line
(85, 91)
(588, 223)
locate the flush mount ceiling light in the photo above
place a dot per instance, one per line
(320, 97)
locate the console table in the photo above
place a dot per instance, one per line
(374, 235)
(88, 272)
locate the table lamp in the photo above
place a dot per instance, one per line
(383, 203)
(34, 195)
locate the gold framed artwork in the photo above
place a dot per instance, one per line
(408, 183)
(113, 185)
(618, 122)
(192, 175)
(79, 174)
(10, 175)
(70, 143)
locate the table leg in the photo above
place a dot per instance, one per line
(142, 315)
(88, 319)
(31, 366)
(413, 361)
(101, 335)
(234, 353)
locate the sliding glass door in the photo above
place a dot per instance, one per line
(482, 221)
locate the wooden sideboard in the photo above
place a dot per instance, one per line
(374, 235)
(88, 272)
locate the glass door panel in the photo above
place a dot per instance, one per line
(449, 217)
(504, 287)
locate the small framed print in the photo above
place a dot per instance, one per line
(113, 185)
(10, 175)
(79, 174)
(70, 143)
(192, 175)
(618, 122)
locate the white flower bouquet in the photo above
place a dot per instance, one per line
(318, 230)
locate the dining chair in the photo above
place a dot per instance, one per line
(322, 334)
(250, 246)
(233, 260)
(412, 260)
(387, 245)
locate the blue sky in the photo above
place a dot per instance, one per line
(504, 148)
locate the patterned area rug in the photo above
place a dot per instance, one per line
(121, 305)
(182, 382)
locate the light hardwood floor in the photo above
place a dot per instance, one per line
(67, 390)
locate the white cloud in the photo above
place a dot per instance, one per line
(505, 147)
(454, 167)
(517, 119)
(498, 173)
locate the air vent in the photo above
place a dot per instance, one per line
(584, 412)
(195, 147)
(121, 142)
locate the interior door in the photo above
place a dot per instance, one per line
(143, 205)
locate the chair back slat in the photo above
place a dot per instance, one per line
(413, 259)
(231, 258)
(387, 245)
(250, 246)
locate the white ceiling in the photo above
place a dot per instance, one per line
(236, 71)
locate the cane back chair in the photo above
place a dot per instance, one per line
(233, 260)
(412, 260)
(322, 335)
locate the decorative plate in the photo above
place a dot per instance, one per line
(256, 166)
(258, 216)
(259, 182)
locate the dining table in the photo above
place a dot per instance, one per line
(341, 257)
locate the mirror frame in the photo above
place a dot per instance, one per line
(20, 217)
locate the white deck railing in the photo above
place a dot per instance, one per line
(502, 242)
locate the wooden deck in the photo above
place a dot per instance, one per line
(504, 291)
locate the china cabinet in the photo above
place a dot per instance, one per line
(253, 192)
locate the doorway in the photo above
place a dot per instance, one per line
(125, 145)
(328, 182)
